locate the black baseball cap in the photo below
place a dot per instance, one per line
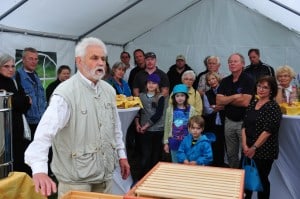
(150, 54)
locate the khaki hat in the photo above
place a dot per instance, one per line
(180, 57)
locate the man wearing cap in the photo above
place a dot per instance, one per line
(140, 80)
(175, 71)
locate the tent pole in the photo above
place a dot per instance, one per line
(285, 7)
(12, 9)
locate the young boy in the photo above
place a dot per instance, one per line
(195, 149)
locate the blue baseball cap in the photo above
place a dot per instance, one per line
(180, 88)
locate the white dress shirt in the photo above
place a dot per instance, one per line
(287, 92)
(127, 73)
(54, 119)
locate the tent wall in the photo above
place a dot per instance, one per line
(213, 27)
(113, 52)
(65, 50)
(10, 42)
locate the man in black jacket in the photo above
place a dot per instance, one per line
(175, 71)
(257, 68)
(63, 73)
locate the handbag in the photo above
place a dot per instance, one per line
(27, 131)
(252, 179)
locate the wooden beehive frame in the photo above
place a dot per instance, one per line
(167, 180)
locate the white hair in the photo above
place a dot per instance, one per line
(188, 72)
(80, 48)
(4, 58)
(214, 57)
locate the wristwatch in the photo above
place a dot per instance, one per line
(254, 147)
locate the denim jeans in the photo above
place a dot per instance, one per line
(174, 156)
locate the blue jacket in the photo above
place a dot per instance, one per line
(125, 90)
(201, 152)
(35, 90)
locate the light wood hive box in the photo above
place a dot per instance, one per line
(89, 195)
(170, 180)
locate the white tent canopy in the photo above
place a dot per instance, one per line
(195, 28)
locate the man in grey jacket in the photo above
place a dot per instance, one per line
(83, 127)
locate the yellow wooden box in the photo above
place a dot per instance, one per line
(89, 195)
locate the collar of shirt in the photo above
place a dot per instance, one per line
(215, 90)
(27, 71)
(95, 87)
(289, 89)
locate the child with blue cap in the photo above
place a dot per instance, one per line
(176, 120)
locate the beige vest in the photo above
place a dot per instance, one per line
(84, 150)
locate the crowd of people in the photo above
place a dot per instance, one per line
(204, 119)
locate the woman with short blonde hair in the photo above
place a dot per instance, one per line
(286, 91)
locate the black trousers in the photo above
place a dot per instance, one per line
(264, 168)
(19, 164)
(218, 146)
(19, 147)
(151, 150)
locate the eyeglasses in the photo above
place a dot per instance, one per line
(188, 79)
(264, 88)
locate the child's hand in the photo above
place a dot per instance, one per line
(166, 148)
(193, 163)
(186, 162)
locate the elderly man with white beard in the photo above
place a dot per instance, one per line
(83, 127)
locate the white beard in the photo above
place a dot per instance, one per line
(96, 73)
